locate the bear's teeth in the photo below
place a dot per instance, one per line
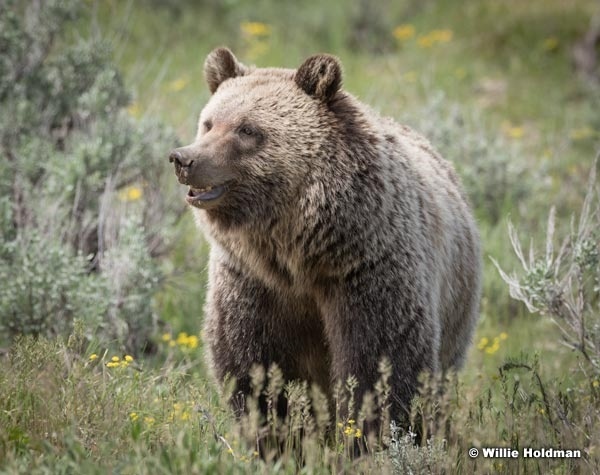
(197, 191)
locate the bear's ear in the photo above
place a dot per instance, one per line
(221, 64)
(320, 76)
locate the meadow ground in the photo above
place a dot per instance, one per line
(492, 84)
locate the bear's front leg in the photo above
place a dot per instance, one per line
(247, 323)
(381, 314)
(238, 320)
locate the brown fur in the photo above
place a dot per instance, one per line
(341, 237)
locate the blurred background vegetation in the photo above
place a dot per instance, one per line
(97, 243)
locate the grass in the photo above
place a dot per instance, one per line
(503, 78)
(67, 410)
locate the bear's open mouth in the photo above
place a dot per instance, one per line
(208, 193)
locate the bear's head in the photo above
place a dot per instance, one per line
(259, 136)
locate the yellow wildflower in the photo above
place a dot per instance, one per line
(490, 350)
(134, 110)
(134, 193)
(185, 415)
(516, 132)
(596, 383)
(130, 193)
(112, 364)
(166, 337)
(255, 28)
(348, 430)
(550, 44)
(178, 84)
(133, 416)
(434, 37)
(425, 41)
(482, 343)
(192, 341)
(351, 422)
(442, 36)
(128, 358)
(93, 357)
(182, 338)
(404, 32)
(358, 433)
(149, 420)
(581, 133)
(115, 359)
(185, 340)
(513, 131)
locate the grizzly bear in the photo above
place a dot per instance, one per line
(338, 237)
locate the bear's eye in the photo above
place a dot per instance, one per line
(245, 130)
(207, 125)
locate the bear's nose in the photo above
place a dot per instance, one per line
(177, 157)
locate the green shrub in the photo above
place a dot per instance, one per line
(84, 200)
(45, 286)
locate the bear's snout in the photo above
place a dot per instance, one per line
(198, 168)
(177, 158)
(183, 162)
